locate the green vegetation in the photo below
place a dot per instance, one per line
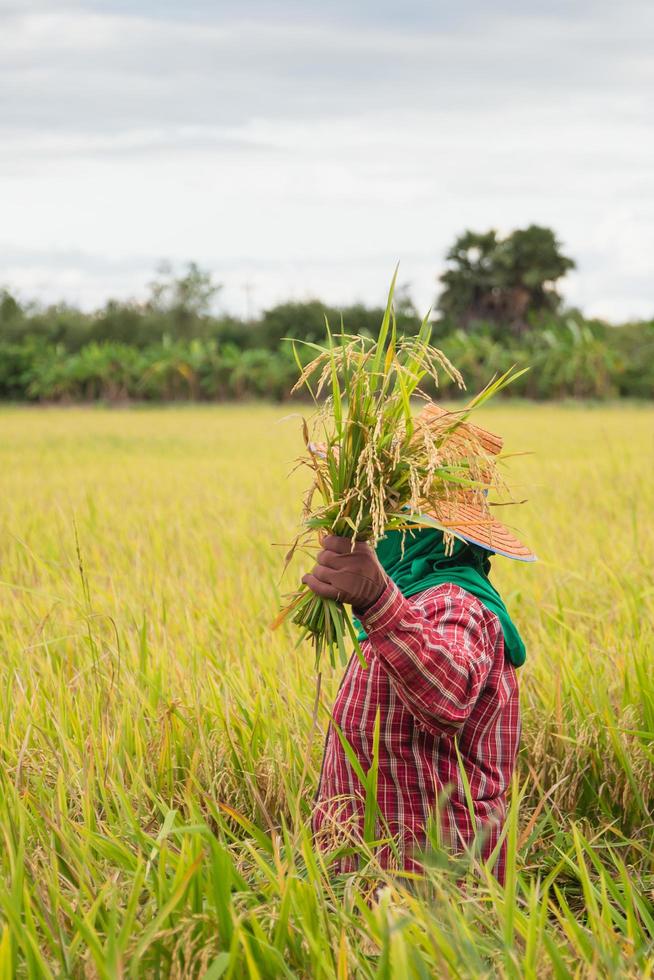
(160, 747)
(503, 280)
(499, 307)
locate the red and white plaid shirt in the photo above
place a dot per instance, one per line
(436, 669)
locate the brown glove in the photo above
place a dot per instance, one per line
(347, 575)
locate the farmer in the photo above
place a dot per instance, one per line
(442, 653)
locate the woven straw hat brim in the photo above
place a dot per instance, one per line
(471, 523)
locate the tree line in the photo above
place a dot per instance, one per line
(499, 305)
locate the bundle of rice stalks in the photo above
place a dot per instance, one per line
(374, 467)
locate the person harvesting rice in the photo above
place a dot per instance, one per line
(441, 654)
(406, 530)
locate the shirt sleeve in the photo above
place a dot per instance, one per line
(438, 648)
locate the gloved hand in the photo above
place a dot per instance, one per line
(347, 575)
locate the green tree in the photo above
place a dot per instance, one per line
(306, 320)
(185, 301)
(634, 345)
(503, 281)
(11, 313)
(301, 321)
(573, 359)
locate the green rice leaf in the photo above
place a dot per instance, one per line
(383, 333)
(371, 805)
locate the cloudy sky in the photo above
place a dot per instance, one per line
(299, 148)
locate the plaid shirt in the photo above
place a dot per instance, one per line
(436, 670)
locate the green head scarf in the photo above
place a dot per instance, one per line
(425, 564)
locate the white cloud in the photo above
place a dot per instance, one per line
(306, 155)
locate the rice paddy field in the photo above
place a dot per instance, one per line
(160, 745)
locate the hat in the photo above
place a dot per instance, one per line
(463, 515)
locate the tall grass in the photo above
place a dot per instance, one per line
(160, 746)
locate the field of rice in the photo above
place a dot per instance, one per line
(160, 746)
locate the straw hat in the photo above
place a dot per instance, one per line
(463, 515)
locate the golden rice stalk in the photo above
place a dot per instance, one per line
(375, 468)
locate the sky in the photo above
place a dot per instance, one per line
(299, 149)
